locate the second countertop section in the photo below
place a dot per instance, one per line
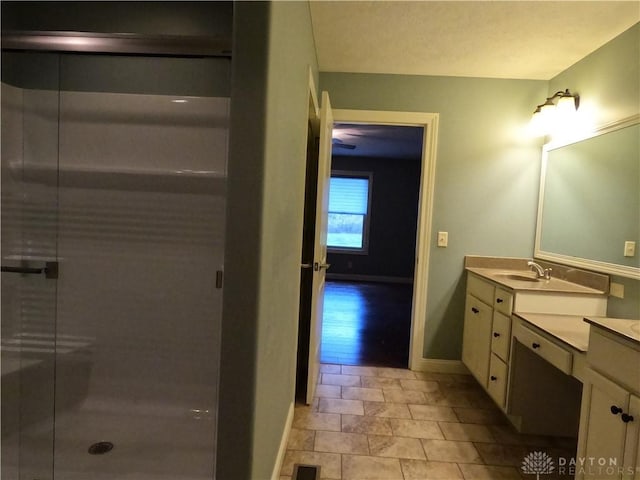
(570, 329)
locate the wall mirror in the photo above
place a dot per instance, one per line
(589, 204)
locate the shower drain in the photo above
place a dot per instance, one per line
(100, 448)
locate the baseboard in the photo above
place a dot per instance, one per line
(283, 443)
(367, 278)
(440, 366)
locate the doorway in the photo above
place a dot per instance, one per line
(373, 199)
(429, 123)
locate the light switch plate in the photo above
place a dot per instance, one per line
(443, 239)
(616, 290)
(629, 249)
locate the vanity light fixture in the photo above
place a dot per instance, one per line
(549, 114)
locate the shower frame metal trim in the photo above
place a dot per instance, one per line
(118, 43)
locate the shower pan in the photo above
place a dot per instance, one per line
(113, 213)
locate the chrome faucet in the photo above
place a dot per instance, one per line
(541, 272)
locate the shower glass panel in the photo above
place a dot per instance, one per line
(141, 145)
(29, 126)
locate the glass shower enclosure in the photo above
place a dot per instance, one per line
(113, 212)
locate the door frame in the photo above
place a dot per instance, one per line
(429, 121)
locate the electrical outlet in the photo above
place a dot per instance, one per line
(443, 239)
(616, 290)
(629, 249)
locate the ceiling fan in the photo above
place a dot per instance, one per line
(337, 143)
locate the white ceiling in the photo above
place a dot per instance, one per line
(499, 39)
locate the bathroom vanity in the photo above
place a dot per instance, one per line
(545, 352)
(524, 339)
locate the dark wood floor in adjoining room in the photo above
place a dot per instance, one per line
(366, 323)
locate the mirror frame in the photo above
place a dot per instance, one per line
(586, 263)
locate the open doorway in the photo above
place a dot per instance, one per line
(326, 119)
(373, 217)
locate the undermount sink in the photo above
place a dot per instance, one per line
(519, 277)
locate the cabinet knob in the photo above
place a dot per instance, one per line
(615, 409)
(494, 378)
(496, 334)
(535, 345)
(499, 300)
(475, 310)
(626, 418)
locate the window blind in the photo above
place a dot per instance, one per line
(348, 195)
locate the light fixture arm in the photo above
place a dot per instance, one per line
(558, 94)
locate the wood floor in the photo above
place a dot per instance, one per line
(366, 324)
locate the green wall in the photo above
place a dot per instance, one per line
(267, 160)
(487, 174)
(608, 82)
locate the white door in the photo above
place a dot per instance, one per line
(320, 245)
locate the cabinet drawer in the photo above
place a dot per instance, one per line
(497, 385)
(503, 301)
(552, 353)
(501, 335)
(480, 289)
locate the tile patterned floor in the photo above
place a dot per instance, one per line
(372, 423)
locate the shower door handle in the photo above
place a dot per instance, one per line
(50, 270)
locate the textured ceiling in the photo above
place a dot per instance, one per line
(499, 39)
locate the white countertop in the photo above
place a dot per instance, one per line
(570, 329)
(525, 280)
(626, 328)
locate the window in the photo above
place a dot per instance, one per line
(349, 199)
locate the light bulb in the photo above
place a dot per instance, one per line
(566, 106)
(537, 125)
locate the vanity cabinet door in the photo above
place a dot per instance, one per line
(632, 443)
(497, 385)
(476, 340)
(603, 430)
